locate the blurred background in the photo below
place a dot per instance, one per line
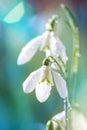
(20, 21)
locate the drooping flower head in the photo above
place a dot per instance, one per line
(47, 42)
(41, 81)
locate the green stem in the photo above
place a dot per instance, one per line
(75, 54)
(60, 67)
(59, 57)
(75, 59)
(66, 113)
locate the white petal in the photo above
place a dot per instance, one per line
(60, 85)
(31, 82)
(46, 41)
(43, 91)
(29, 50)
(57, 47)
(60, 116)
(48, 53)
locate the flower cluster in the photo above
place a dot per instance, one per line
(42, 79)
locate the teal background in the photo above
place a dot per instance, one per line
(19, 111)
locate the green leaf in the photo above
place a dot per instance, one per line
(70, 17)
(73, 25)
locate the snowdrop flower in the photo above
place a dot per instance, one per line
(41, 80)
(47, 42)
(57, 121)
(54, 46)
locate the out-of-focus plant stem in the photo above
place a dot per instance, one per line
(75, 56)
(75, 51)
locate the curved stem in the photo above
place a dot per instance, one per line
(60, 67)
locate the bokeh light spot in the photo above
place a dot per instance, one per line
(15, 14)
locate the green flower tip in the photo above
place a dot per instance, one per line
(46, 62)
(50, 26)
(49, 125)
